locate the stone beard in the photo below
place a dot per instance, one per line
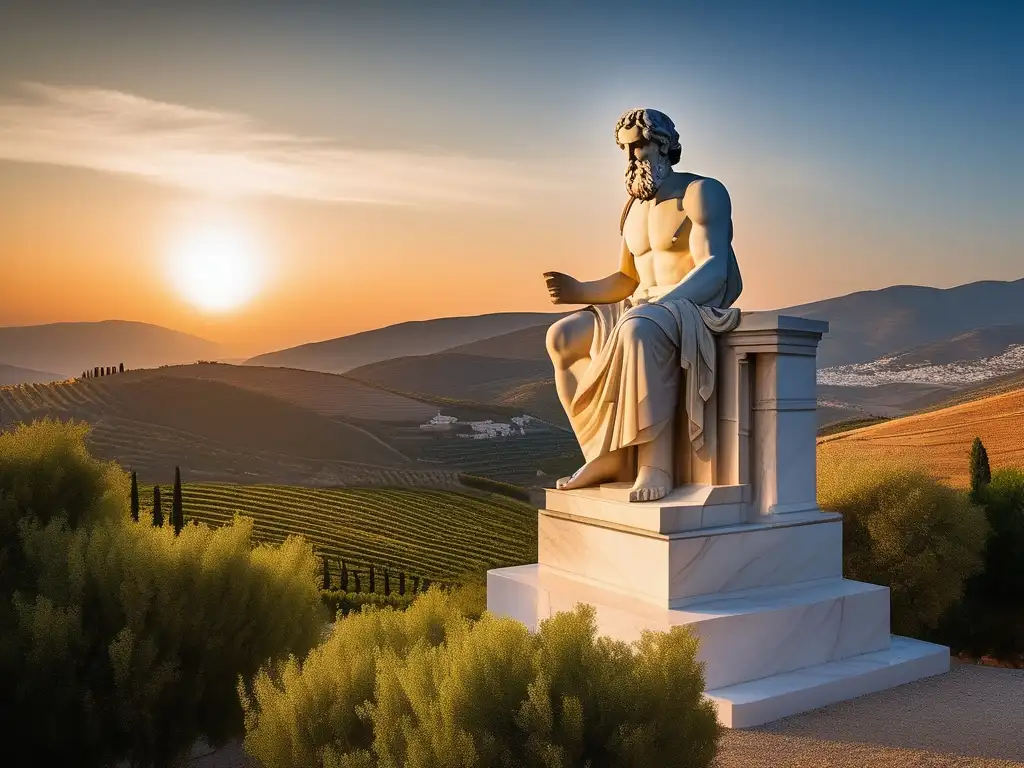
(643, 177)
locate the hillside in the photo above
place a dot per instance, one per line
(419, 337)
(941, 440)
(12, 374)
(868, 325)
(524, 344)
(151, 422)
(451, 374)
(253, 424)
(70, 348)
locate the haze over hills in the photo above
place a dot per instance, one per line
(868, 325)
(11, 374)
(419, 337)
(70, 348)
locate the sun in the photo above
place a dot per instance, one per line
(216, 268)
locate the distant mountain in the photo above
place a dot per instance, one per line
(966, 359)
(12, 374)
(420, 337)
(524, 344)
(70, 348)
(868, 325)
(978, 344)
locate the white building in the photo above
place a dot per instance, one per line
(440, 422)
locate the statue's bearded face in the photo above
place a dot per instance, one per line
(646, 168)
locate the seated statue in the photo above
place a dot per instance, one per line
(619, 363)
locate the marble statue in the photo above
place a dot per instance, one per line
(646, 337)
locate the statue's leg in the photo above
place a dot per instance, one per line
(568, 343)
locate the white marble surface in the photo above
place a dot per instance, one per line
(687, 508)
(746, 636)
(761, 701)
(671, 571)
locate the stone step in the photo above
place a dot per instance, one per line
(675, 569)
(761, 701)
(744, 635)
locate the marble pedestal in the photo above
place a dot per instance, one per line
(745, 559)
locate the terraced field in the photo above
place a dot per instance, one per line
(436, 534)
(513, 459)
(941, 440)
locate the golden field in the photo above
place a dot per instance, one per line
(941, 440)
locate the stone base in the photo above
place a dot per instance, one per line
(760, 701)
(768, 652)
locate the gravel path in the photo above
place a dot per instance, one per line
(971, 717)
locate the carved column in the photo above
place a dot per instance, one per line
(776, 427)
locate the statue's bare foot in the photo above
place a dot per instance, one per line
(600, 470)
(651, 484)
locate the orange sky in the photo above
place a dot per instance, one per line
(82, 245)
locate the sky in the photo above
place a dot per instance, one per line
(403, 162)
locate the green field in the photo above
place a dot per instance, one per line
(437, 534)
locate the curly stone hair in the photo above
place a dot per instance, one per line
(655, 126)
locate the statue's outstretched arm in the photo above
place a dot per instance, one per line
(608, 290)
(707, 204)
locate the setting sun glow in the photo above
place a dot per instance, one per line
(215, 268)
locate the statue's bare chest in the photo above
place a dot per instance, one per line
(657, 227)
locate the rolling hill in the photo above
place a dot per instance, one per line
(868, 325)
(250, 424)
(451, 374)
(941, 439)
(70, 348)
(419, 337)
(524, 344)
(12, 374)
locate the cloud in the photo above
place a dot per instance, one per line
(229, 153)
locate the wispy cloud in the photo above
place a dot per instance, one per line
(230, 153)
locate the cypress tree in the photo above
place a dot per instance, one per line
(158, 514)
(426, 584)
(121, 368)
(344, 577)
(387, 582)
(415, 584)
(177, 516)
(135, 498)
(981, 474)
(358, 586)
(96, 371)
(327, 573)
(401, 582)
(373, 581)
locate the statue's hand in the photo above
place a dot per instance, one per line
(560, 287)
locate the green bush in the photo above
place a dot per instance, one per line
(431, 686)
(905, 530)
(1003, 499)
(122, 641)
